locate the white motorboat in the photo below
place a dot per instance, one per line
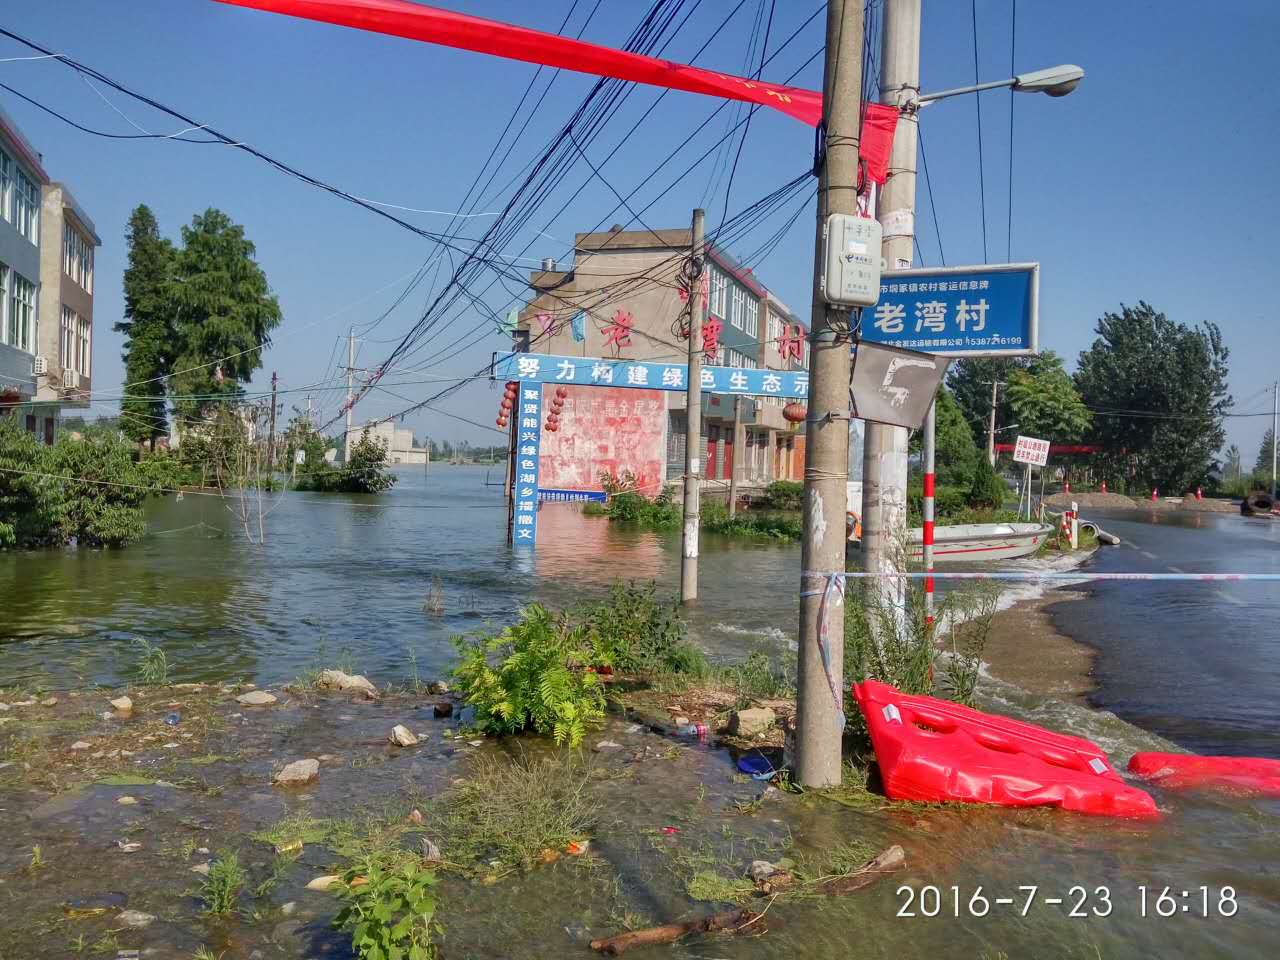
(967, 542)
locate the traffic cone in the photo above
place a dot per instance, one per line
(1154, 493)
(1104, 486)
(1199, 493)
(1066, 488)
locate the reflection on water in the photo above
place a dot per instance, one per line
(351, 573)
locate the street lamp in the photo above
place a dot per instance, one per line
(1055, 81)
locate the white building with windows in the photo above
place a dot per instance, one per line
(22, 177)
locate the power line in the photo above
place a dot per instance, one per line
(928, 184)
(1013, 45)
(977, 99)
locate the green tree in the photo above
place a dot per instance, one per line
(29, 497)
(955, 451)
(988, 489)
(223, 311)
(302, 435)
(1158, 390)
(1263, 464)
(1232, 465)
(147, 327)
(969, 381)
(365, 470)
(1044, 402)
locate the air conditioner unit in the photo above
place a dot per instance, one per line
(40, 366)
(70, 379)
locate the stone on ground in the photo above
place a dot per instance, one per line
(442, 710)
(402, 736)
(123, 704)
(81, 745)
(298, 773)
(347, 683)
(325, 882)
(256, 698)
(135, 918)
(753, 722)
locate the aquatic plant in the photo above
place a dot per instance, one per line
(539, 679)
(389, 909)
(784, 495)
(760, 676)
(222, 884)
(153, 665)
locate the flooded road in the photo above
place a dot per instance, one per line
(1197, 664)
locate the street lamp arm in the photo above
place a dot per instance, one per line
(1054, 81)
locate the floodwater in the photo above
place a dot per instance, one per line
(1194, 663)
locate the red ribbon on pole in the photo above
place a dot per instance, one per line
(415, 21)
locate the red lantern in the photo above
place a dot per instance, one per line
(561, 393)
(501, 421)
(795, 412)
(506, 403)
(552, 428)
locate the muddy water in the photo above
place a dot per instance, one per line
(351, 574)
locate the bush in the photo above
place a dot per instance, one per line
(988, 488)
(780, 526)
(364, 472)
(636, 633)
(631, 507)
(539, 681)
(391, 911)
(784, 495)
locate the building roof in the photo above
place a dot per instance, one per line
(20, 145)
(70, 205)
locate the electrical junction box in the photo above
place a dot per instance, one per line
(851, 261)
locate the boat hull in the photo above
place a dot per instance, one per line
(980, 541)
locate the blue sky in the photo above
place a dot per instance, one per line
(1150, 182)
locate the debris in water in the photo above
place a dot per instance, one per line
(402, 736)
(324, 882)
(128, 846)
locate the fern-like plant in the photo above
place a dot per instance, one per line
(533, 675)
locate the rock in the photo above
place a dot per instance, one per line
(415, 817)
(761, 870)
(4, 707)
(442, 710)
(201, 868)
(298, 773)
(605, 746)
(430, 852)
(325, 882)
(24, 703)
(128, 846)
(437, 688)
(402, 736)
(256, 698)
(327, 757)
(287, 909)
(126, 801)
(81, 745)
(49, 702)
(123, 704)
(681, 721)
(348, 683)
(753, 722)
(135, 918)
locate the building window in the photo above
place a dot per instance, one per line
(719, 289)
(21, 325)
(77, 257)
(739, 298)
(26, 206)
(7, 167)
(4, 302)
(774, 327)
(85, 351)
(75, 347)
(751, 317)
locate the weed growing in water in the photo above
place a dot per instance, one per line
(434, 603)
(222, 885)
(153, 665)
(294, 828)
(37, 859)
(106, 944)
(204, 953)
(390, 912)
(514, 809)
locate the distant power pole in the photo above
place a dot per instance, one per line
(1275, 434)
(738, 437)
(693, 416)
(351, 397)
(991, 424)
(309, 420)
(819, 704)
(271, 437)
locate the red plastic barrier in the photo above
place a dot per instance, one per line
(1188, 771)
(936, 751)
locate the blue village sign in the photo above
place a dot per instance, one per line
(642, 374)
(983, 311)
(524, 489)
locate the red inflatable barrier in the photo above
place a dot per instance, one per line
(937, 751)
(1188, 771)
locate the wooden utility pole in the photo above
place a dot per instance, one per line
(819, 709)
(271, 436)
(738, 444)
(693, 415)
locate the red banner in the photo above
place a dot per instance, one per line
(414, 21)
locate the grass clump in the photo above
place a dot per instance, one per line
(514, 809)
(153, 665)
(712, 887)
(222, 885)
(636, 632)
(295, 828)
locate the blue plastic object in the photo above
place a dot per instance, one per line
(757, 767)
(173, 719)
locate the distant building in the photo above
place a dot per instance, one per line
(637, 273)
(47, 245)
(400, 444)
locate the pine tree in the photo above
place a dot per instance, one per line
(147, 328)
(224, 313)
(1264, 453)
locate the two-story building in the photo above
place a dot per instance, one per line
(22, 177)
(623, 296)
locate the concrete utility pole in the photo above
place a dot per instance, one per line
(1275, 434)
(693, 417)
(991, 424)
(819, 706)
(351, 397)
(884, 457)
(271, 437)
(738, 437)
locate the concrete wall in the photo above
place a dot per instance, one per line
(58, 289)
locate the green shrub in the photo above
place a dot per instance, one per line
(153, 665)
(784, 495)
(778, 526)
(635, 632)
(364, 472)
(988, 488)
(390, 913)
(222, 884)
(539, 679)
(631, 507)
